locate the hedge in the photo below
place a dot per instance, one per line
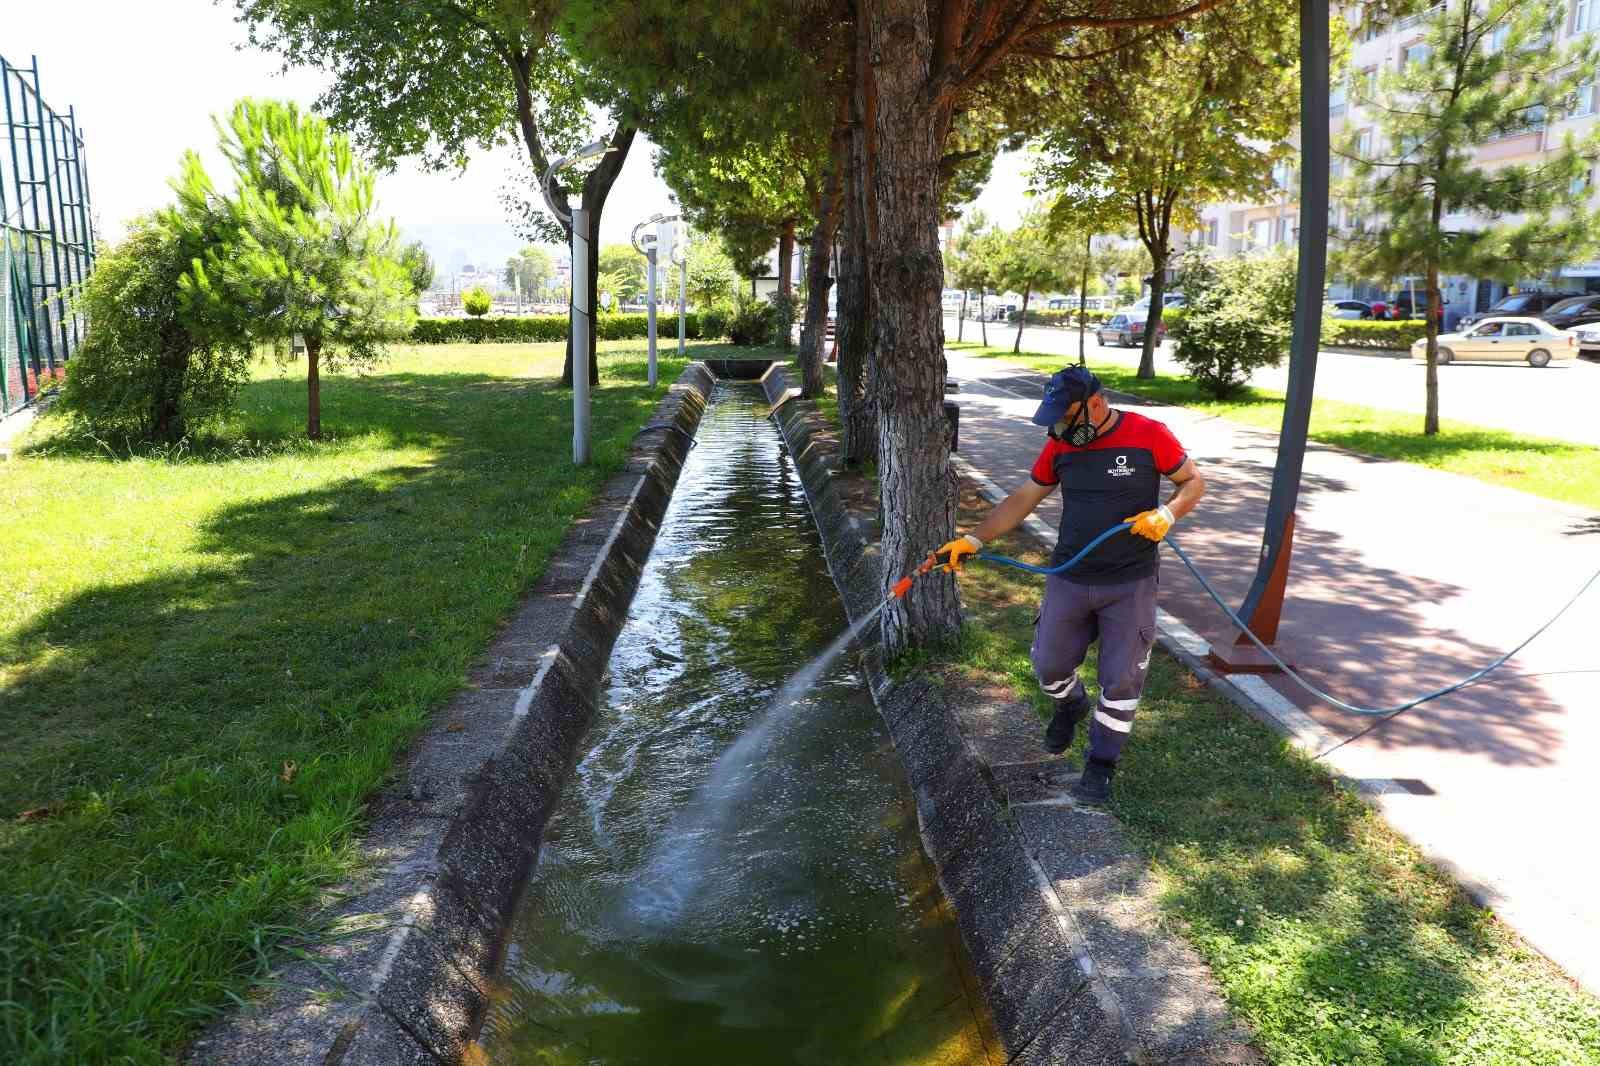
(1066, 317)
(546, 328)
(1365, 333)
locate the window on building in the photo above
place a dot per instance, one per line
(1337, 94)
(1260, 231)
(1211, 233)
(1365, 86)
(1288, 231)
(1579, 184)
(1586, 16)
(1497, 38)
(1415, 52)
(1581, 101)
(1335, 167)
(1364, 144)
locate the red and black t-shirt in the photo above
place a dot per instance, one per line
(1117, 476)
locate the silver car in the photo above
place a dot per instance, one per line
(1503, 340)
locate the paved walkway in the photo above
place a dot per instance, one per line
(1558, 401)
(1404, 580)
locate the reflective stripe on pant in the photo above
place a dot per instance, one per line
(1123, 618)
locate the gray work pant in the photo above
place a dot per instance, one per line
(1123, 618)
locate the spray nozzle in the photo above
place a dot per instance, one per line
(902, 587)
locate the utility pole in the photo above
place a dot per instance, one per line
(1263, 604)
(581, 312)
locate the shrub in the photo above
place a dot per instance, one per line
(143, 370)
(785, 309)
(714, 321)
(1364, 333)
(1237, 317)
(544, 328)
(751, 323)
(1066, 317)
(476, 301)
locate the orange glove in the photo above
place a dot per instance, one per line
(1152, 525)
(958, 550)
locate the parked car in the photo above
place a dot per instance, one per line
(1349, 309)
(1573, 312)
(1588, 341)
(1168, 299)
(1504, 340)
(1519, 303)
(1126, 329)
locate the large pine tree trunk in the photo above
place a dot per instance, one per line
(815, 324)
(1430, 411)
(857, 414)
(786, 258)
(961, 317)
(906, 135)
(983, 317)
(596, 188)
(313, 388)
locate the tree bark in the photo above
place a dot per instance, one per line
(313, 388)
(786, 258)
(961, 318)
(596, 187)
(1155, 230)
(1022, 319)
(1083, 299)
(814, 327)
(1152, 321)
(916, 485)
(983, 317)
(858, 423)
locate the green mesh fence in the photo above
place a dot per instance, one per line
(46, 237)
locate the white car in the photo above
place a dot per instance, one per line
(1504, 340)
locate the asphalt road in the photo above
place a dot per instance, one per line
(1558, 401)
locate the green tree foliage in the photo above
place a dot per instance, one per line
(624, 270)
(1188, 118)
(969, 267)
(303, 256)
(1237, 316)
(476, 301)
(1034, 258)
(419, 266)
(147, 369)
(436, 78)
(533, 267)
(711, 273)
(1488, 70)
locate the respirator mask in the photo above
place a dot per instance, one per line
(1080, 430)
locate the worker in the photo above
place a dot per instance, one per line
(1109, 464)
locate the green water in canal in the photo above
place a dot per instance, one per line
(733, 877)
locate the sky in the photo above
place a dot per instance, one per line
(145, 85)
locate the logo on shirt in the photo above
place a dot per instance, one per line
(1122, 469)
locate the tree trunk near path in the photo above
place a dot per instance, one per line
(596, 188)
(1083, 300)
(1430, 412)
(983, 317)
(786, 258)
(858, 422)
(814, 326)
(313, 388)
(1155, 230)
(916, 485)
(1022, 319)
(961, 318)
(1152, 321)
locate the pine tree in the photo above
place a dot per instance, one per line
(304, 257)
(1487, 70)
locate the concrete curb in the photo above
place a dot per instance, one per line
(406, 976)
(1055, 908)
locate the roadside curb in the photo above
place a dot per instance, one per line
(417, 935)
(1055, 908)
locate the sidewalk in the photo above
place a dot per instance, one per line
(1404, 580)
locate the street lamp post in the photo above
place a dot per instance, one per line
(680, 256)
(581, 312)
(647, 244)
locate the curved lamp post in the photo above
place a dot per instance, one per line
(580, 310)
(646, 244)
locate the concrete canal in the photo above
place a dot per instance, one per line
(734, 873)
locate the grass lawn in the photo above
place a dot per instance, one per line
(209, 656)
(1328, 932)
(1556, 470)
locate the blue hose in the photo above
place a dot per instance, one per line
(1366, 712)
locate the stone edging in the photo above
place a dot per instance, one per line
(417, 939)
(1071, 971)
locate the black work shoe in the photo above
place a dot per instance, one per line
(1058, 734)
(1094, 787)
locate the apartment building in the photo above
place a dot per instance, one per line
(1237, 227)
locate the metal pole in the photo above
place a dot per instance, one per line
(683, 300)
(650, 310)
(1263, 604)
(581, 313)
